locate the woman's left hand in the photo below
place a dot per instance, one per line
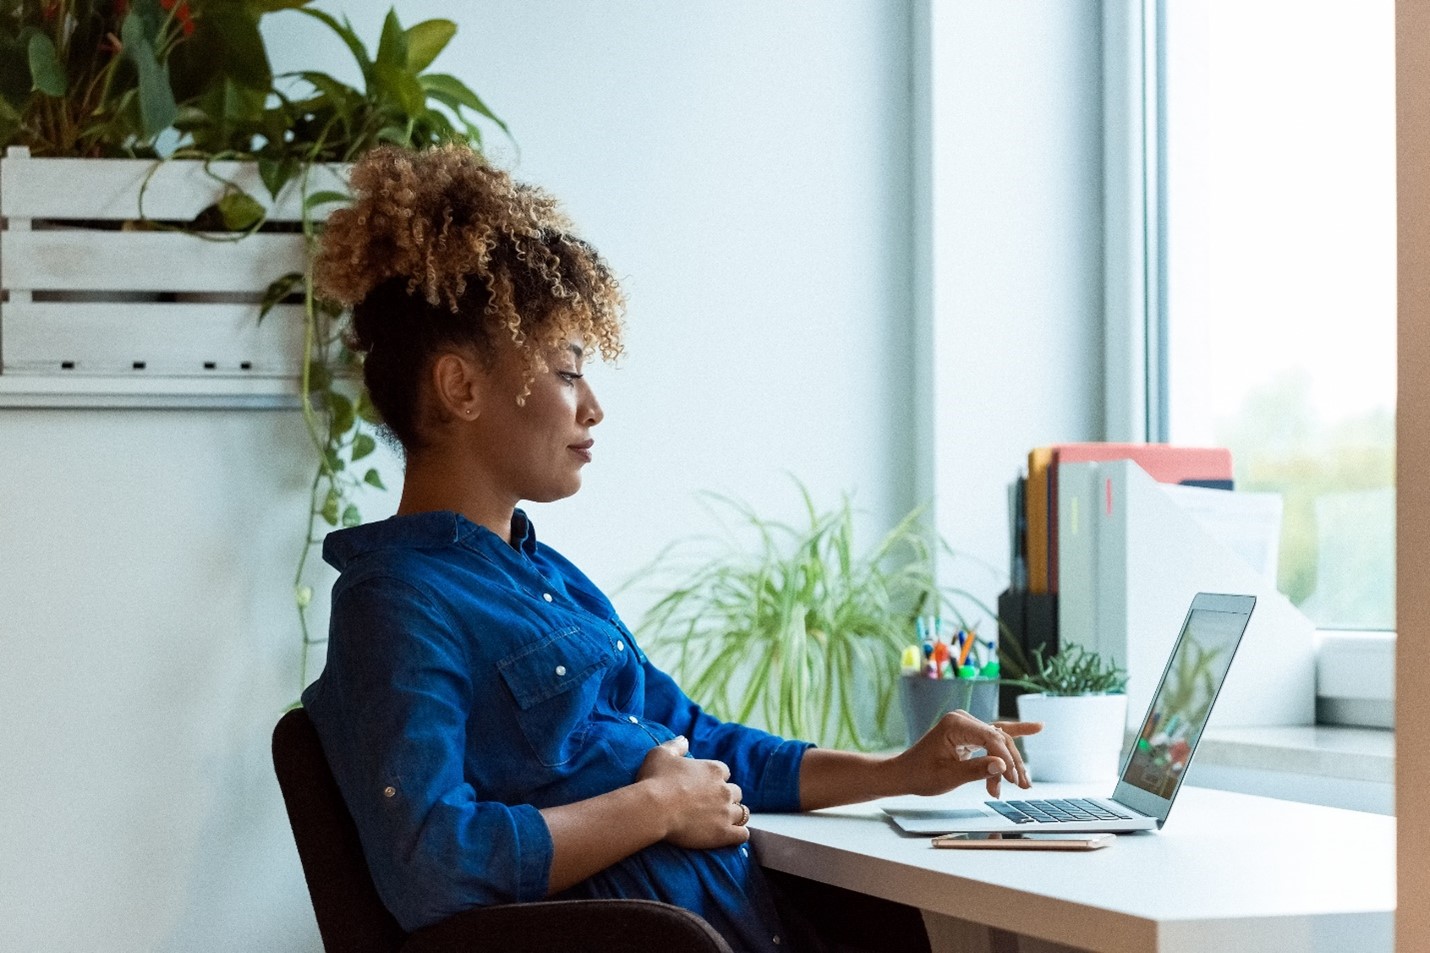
(944, 757)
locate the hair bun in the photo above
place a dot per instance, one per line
(432, 217)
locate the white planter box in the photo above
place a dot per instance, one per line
(95, 315)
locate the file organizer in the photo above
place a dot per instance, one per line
(1131, 561)
(1031, 621)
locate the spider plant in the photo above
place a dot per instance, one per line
(801, 631)
(1075, 670)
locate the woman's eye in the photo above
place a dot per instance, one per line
(570, 377)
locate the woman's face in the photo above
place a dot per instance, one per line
(536, 451)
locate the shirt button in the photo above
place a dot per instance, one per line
(389, 791)
(546, 596)
(775, 939)
(560, 670)
(620, 646)
(634, 719)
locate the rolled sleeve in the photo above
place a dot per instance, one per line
(765, 766)
(392, 713)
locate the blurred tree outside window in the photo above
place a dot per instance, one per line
(1278, 275)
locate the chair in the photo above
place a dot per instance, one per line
(352, 919)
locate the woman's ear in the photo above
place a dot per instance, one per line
(458, 383)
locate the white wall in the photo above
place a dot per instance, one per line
(749, 168)
(746, 167)
(1012, 313)
(147, 646)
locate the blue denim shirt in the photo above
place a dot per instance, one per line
(470, 683)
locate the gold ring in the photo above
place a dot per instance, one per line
(744, 816)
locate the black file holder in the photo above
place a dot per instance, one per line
(1031, 619)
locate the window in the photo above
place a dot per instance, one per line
(1273, 310)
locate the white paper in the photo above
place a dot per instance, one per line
(1249, 524)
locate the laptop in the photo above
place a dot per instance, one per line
(1153, 770)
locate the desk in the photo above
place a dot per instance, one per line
(1228, 872)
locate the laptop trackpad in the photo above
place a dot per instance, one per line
(925, 820)
(936, 813)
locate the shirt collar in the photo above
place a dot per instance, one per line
(523, 533)
(423, 531)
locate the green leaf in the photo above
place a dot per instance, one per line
(339, 94)
(371, 478)
(229, 113)
(392, 47)
(276, 174)
(319, 377)
(458, 92)
(329, 512)
(303, 596)
(232, 41)
(402, 87)
(395, 135)
(366, 410)
(157, 109)
(324, 198)
(46, 72)
(363, 444)
(16, 81)
(351, 516)
(240, 211)
(426, 40)
(332, 461)
(345, 32)
(431, 125)
(191, 117)
(342, 413)
(278, 290)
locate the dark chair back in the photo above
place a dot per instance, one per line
(351, 916)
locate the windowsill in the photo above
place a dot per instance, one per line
(1325, 751)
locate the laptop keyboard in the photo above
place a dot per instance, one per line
(1056, 810)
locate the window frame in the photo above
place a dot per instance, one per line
(1135, 319)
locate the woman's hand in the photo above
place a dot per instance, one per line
(939, 761)
(944, 757)
(683, 800)
(702, 807)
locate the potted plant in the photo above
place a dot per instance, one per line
(793, 627)
(1080, 698)
(210, 162)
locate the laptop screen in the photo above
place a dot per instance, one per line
(1183, 702)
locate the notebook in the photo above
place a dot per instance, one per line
(1153, 770)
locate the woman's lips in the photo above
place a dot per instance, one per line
(583, 450)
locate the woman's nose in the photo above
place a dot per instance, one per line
(590, 410)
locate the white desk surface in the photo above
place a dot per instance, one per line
(1228, 871)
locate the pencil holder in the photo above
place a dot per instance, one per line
(925, 700)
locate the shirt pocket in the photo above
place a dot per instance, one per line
(555, 683)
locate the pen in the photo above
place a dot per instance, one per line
(940, 659)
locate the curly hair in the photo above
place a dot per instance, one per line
(441, 250)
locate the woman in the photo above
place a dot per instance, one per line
(496, 732)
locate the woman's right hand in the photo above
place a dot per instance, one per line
(702, 807)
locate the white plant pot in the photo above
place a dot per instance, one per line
(1081, 740)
